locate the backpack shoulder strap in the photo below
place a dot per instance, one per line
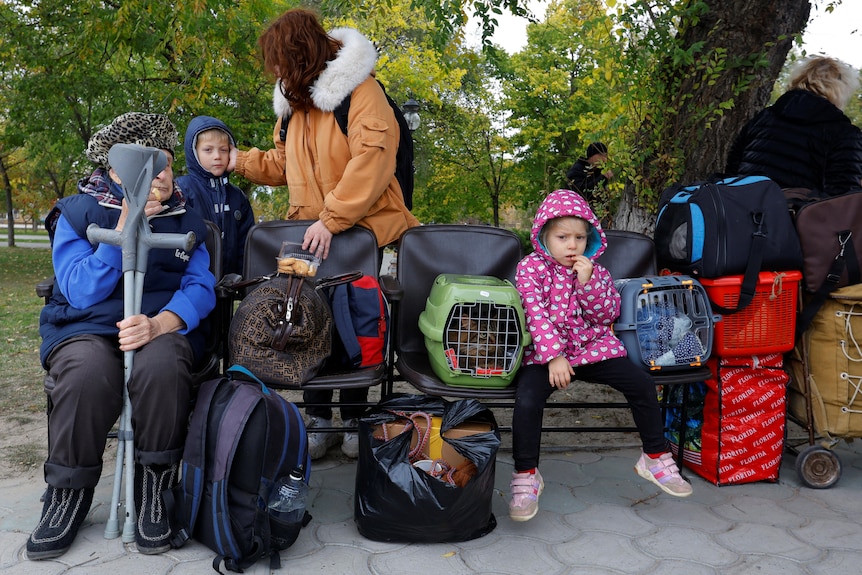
(340, 111)
(235, 417)
(194, 457)
(285, 422)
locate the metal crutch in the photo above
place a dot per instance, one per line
(140, 165)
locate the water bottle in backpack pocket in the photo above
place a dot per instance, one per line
(287, 508)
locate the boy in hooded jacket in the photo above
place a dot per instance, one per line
(570, 305)
(207, 146)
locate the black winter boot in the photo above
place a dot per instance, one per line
(63, 512)
(153, 529)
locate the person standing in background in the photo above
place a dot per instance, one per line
(586, 175)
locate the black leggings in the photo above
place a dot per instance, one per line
(534, 388)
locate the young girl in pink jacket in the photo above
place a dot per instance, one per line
(570, 304)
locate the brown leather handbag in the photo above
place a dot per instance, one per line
(282, 330)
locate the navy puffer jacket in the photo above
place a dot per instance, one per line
(801, 141)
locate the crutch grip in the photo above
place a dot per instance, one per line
(98, 235)
(184, 242)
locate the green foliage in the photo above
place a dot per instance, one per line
(20, 372)
(560, 90)
(497, 132)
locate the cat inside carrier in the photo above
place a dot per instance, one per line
(474, 330)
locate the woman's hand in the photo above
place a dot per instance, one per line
(152, 207)
(317, 239)
(560, 372)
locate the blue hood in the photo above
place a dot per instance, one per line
(196, 126)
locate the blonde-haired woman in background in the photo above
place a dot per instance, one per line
(805, 140)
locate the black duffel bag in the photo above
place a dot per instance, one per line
(733, 226)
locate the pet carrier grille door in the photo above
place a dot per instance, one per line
(482, 339)
(665, 322)
(474, 330)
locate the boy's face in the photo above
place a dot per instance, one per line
(213, 155)
(566, 238)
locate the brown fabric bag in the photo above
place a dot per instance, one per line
(826, 365)
(282, 331)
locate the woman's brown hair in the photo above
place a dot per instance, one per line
(296, 49)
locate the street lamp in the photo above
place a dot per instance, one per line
(411, 113)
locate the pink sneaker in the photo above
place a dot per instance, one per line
(664, 473)
(526, 488)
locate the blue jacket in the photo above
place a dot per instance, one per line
(88, 288)
(215, 198)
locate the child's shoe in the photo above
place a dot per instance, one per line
(526, 488)
(664, 473)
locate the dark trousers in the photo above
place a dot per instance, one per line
(350, 395)
(534, 388)
(88, 397)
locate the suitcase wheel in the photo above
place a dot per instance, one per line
(818, 467)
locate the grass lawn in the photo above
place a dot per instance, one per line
(20, 372)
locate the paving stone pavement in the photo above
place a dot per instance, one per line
(596, 517)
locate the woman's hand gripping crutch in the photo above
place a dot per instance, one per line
(136, 166)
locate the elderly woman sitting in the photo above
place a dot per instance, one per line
(84, 336)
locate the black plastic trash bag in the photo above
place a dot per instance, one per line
(395, 501)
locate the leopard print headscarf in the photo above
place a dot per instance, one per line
(151, 130)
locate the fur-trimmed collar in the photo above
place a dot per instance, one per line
(351, 66)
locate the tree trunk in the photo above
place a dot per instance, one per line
(744, 28)
(10, 219)
(752, 37)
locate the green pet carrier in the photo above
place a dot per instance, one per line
(474, 330)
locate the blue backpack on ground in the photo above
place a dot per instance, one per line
(243, 438)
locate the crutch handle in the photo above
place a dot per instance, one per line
(170, 241)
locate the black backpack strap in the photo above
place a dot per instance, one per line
(752, 269)
(282, 131)
(340, 111)
(236, 415)
(190, 490)
(285, 421)
(846, 258)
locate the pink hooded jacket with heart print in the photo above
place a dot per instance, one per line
(565, 317)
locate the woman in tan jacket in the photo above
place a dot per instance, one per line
(339, 181)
